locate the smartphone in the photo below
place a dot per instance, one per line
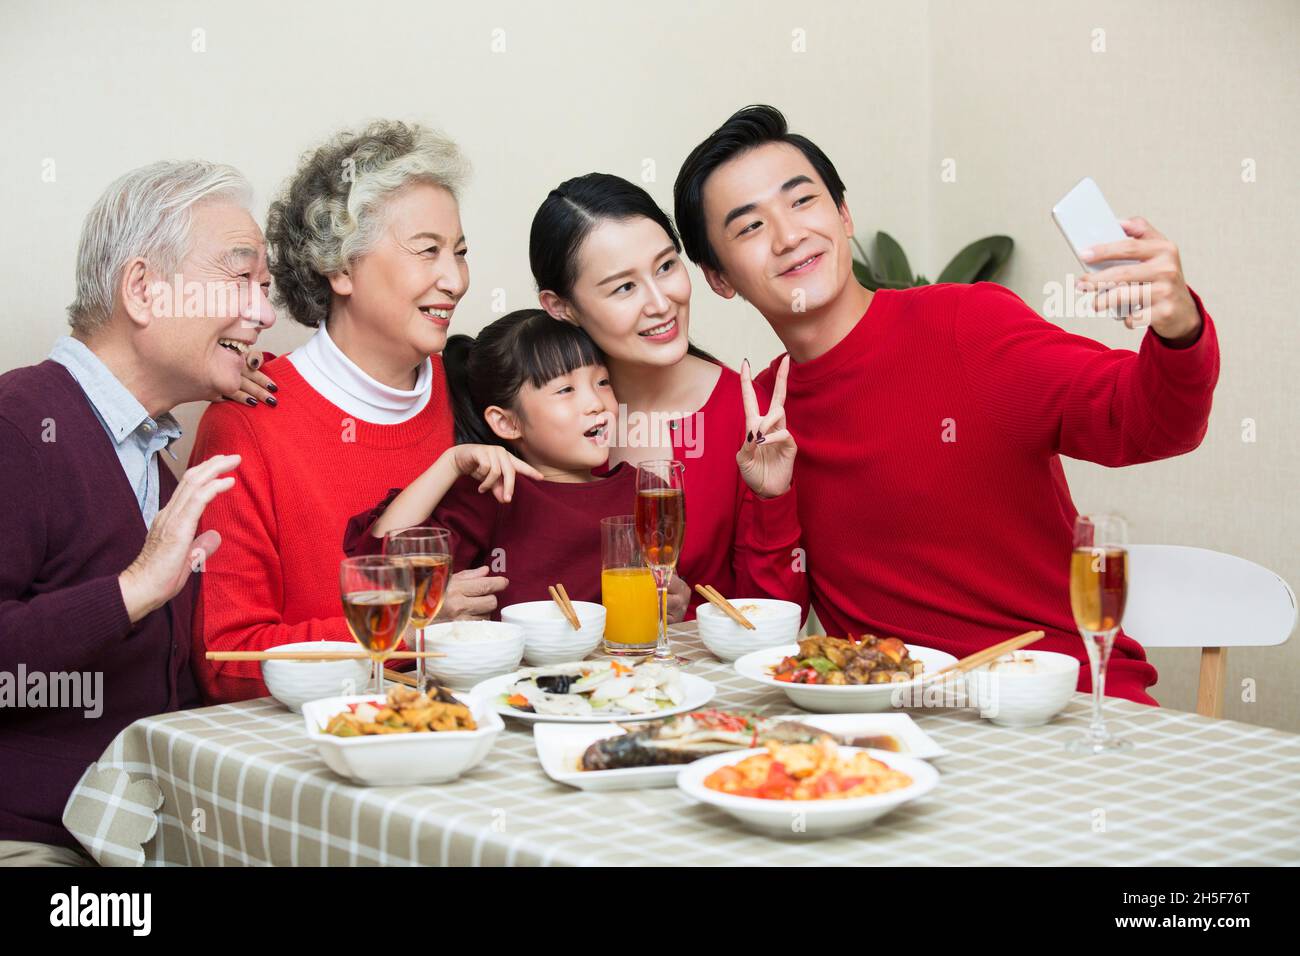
(1085, 219)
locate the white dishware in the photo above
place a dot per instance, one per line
(473, 651)
(697, 690)
(807, 818)
(549, 638)
(775, 623)
(293, 683)
(847, 698)
(1027, 692)
(560, 748)
(398, 760)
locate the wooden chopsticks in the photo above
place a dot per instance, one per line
(360, 655)
(985, 656)
(714, 597)
(561, 597)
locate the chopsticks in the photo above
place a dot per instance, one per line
(400, 678)
(985, 656)
(314, 656)
(561, 597)
(714, 597)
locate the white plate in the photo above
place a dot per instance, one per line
(807, 818)
(560, 748)
(698, 693)
(836, 698)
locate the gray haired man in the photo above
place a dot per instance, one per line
(96, 576)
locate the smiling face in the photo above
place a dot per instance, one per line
(631, 294)
(399, 296)
(781, 241)
(201, 321)
(565, 425)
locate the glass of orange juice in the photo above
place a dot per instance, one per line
(627, 589)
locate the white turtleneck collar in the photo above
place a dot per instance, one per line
(340, 380)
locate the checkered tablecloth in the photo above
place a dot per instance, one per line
(241, 784)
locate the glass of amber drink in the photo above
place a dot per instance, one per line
(627, 589)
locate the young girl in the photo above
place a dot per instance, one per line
(534, 410)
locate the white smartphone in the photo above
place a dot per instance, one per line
(1085, 219)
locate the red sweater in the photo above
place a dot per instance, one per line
(931, 493)
(736, 541)
(307, 468)
(548, 532)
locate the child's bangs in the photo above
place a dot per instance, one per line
(551, 349)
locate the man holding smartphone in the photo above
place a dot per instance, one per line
(935, 417)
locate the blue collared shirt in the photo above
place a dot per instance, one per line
(137, 437)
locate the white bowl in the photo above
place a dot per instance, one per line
(475, 651)
(810, 818)
(400, 760)
(1010, 697)
(549, 638)
(847, 698)
(775, 622)
(293, 683)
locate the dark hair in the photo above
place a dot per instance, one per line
(525, 347)
(569, 213)
(746, 129)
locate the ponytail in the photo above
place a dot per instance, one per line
(471, 427)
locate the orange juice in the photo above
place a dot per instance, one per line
(631, 607)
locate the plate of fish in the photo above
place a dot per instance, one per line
(638, 756)
(585, 692)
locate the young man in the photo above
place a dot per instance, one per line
(100, 540)
(930, 421)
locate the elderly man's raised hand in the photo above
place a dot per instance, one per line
(172, 551)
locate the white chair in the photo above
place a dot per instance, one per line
(1192, 597)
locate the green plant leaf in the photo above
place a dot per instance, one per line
(862, 271)
(892, 259)
(980, 261)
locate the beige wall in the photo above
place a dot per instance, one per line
(1009, 90)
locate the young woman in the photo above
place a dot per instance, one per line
(375, 262)
(607, 259)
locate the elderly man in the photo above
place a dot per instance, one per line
(96, 585)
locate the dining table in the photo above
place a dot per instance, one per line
(241, 785)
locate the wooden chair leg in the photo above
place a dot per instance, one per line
(1209, 693)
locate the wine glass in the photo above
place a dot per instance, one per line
(660, 525)
(377, 598)
(428, 551)
(1098, 590)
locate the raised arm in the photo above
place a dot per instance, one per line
(69, 628)
(1047, 389)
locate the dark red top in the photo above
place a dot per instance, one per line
(70, 524)
(549, 532)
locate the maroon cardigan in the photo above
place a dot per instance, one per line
(69, 525)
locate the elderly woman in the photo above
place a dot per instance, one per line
(367, 248)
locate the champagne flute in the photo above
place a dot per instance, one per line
(1098, 590)
(377, 598)
(428, 551)
(660, 526)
